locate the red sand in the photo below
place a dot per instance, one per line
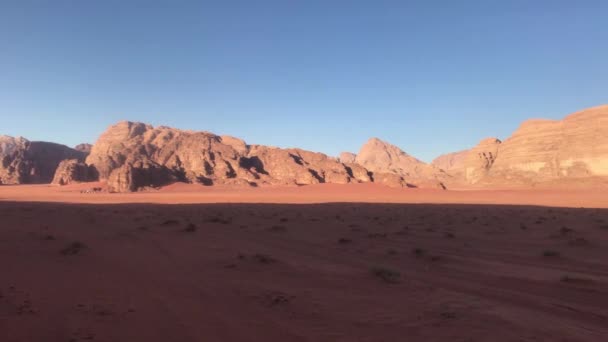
(302, 272)
(180, 193)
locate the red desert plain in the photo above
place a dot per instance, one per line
(327, 262)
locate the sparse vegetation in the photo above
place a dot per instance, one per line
(190, 228)
(264, 259)
(550, 253)
(219, 219)
(419, 252)
(386, 274)
(73, 248)
(575, 280)
(170, 222)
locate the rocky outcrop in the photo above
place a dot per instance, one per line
(28, 162)
(540, 151)
(73, 171)
(347, 157)
(381, 157)
(545, 150)
(451, 162)
(469, 166)
(86, 148)
(131, 156)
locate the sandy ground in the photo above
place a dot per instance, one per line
(112, 271)
(322, 193)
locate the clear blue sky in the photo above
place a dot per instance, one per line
(428, 76)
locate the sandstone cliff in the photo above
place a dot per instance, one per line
(540, 151)
(130, 156)
(470, 166)
(26, 162)
(544, 150)
(381, 157)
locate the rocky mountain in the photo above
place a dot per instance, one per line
(469, 166)
(542, 150)
(539, 151)
(381, 157)
(347, 157)
(131, 155)
(24, 161)
(451, 162)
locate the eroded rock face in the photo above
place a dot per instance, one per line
(132, 156)
(381, 157)
(86, 148)
(470, 166)
(347, 157)
(73, 171)
(544, 150)
(29, 162)
(451, 162)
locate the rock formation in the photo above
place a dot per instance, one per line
(381, 157)
(131, 156)
(347, 157)
(469, 166)
(73, 171)
(24, 161)
(539, 151)
(450, 162)
(543, 150)
(86, 148)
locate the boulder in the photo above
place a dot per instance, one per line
(73, 171)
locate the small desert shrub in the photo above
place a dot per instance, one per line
(577, 280)
(391, 252)
(170, 222)
(264, 259)
(449, 235)
(550, 253)
(448, 315)
(376, 235)
(435, 258)
(344, 240)
(73, 248)
(218, 219)
(386, 274)
(190, 228)
(419, 252)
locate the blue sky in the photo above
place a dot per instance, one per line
(428, 76)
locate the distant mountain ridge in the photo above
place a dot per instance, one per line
(131, 156)
(538, 151)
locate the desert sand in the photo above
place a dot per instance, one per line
(315, 263)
